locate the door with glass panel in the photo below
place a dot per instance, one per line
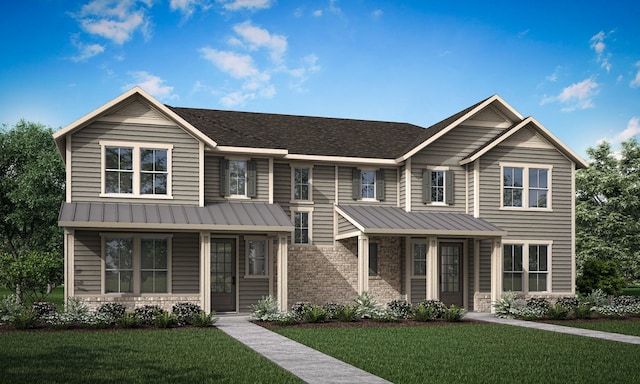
(223, 275)
(450, 264)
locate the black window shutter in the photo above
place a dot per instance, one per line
(449, 191)
(380, 184)
(426, 186)
(224, 177)
(356, 184)
(252, 179)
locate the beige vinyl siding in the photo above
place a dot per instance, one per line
(418, 290)
(212, 179)
(533, 225)
(282, 185)
(262, 175)
(86, 159)
(88, 263)
(403, 186)
(323, 199)
(470, 186)
(447, 152)
(185, 263)
(485, 266)
(251, 289)
(137, 109)
(345, 226)
(345, 190)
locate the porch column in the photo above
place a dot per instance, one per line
(363, 263)
(69, 262)
(496, 270)
(205, 272)
(282, 268)
(433, 293)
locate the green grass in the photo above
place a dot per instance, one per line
(140, 356)
(615, 326)
(483, 353)
(631, 291)
(56, 296)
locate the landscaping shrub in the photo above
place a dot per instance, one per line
(454, 314)
(265, 307)
(569, 302)
(147, 314)
(599, 274)
(299, 308)
(185, 312)
(314, 314)
(204, 319)
(597, 298)
(438, 307)
(365, 305)
(129, 320)
(24, 319)
(42, 309)
(401, 308)
(112, 312)
(332, 309)
(423, 313)
(582, 311)
(347, 314)
(384, 316)
(166, 320)
(506, 306)
(558, 312)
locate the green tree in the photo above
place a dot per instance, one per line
(32, 181)
(599, 274)
(608, 208)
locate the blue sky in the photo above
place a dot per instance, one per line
(574, 66)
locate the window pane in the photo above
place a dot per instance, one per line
(112, 182)
(160, 163)
(111, 280)
(257, 257)
(126, 182)
(373, 259)
(237, 177)
(126, 281)
(146, 282)
(420, 259)
(146, 159)
(368, 184)
(537, 282)
(112, 158)
(517, 257)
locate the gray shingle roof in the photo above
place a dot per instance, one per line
(312, 135)
(238, 216)
(393, 220)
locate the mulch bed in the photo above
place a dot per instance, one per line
(366, 323)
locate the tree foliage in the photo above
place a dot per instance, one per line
(608, 208)
(32, 181)
(600, 274)
(34, 272)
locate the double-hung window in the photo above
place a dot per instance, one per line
(368, 184)
(420, 259)
(302, 225)
(526, 266)
(257, 258)
(526, 186)
(437, 186)
(136, 170)
(238, 178)
(301, 184)
(136, 264)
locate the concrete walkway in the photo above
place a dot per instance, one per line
(306, 363)
(554, 328)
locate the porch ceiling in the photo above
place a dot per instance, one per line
(396, 221)
(228, 216)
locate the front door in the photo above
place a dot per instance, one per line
(451, 256)
(223, 275)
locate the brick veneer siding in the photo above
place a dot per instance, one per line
(329, 274)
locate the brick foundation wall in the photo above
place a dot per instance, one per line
(130, 302)
(329, 274)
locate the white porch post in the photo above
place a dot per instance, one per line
(433, 293)
(363, 263)
(496, 270)
(205, 272)
(69, 262)
(282, 268)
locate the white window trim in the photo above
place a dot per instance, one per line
(136, 262)
(375, 182)
(444, 189)
(525, 186)
(137, 146)
(293, 200)
(525, 262)
(267, 257)
(309, 210)
(426, 257)
(246, 170)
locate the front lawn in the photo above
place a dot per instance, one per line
(625, 327)
(56, 296)
(133, 356)
(475, 353)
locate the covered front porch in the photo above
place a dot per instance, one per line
(443, 253)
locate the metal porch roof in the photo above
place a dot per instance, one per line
(229, 216)
(397, 221)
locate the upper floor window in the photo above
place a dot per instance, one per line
(437, 186)
(368, 184)
(526, 186)
(301, 183)
(238, 178)
(136, 169)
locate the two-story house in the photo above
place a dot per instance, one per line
(220, 208)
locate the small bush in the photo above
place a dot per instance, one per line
(506, 306)
(438, 307)
(112, 312)
(204, 319)
(597, 298)
(454, 314)
(332, 309)
(582, 311)
(599, 274)
(314, 314)
(558, 312)
(569, 302)
(265, 307)
(539, 303)
(166, 320)
(24, 319)
(42, 309)
(147, 314)
(298, 309)
(185, 312)
(129, 320)
(283, 318)
(384, 316)
(401, 308)
(9, 308)
(625, 300)
(347, 314)
(365, 304)
(423, 313)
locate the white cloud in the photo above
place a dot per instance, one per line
(633, 128)
(576, 96)
(635, 83)
(257, 37)
(377, 13)
(115, 20)
(235, 5)
(151, 84)
(598, 45)
(235, 64)
(87, 51)
(554, 76)
(317, 13)
(188, 7)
